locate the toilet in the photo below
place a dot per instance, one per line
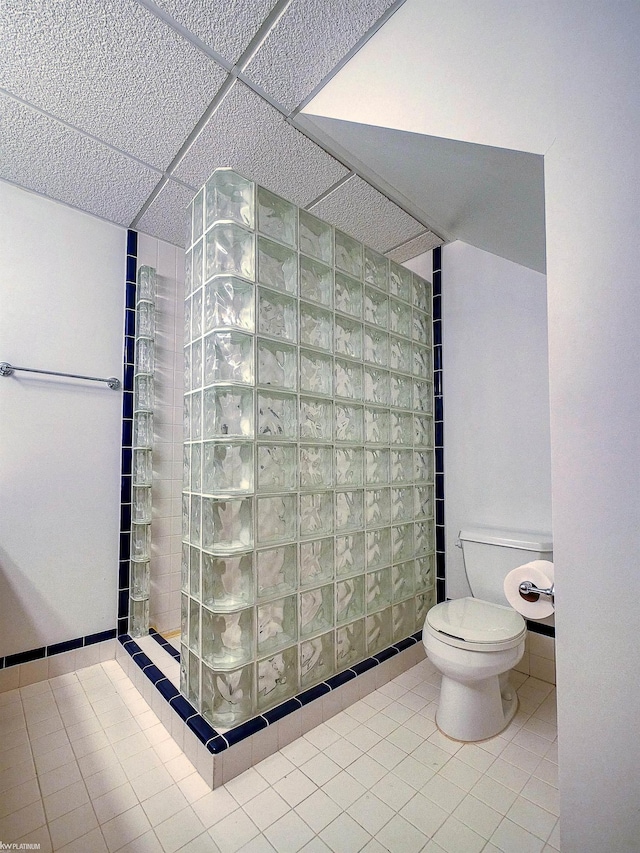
(476, 641)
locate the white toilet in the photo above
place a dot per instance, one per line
(474, 642)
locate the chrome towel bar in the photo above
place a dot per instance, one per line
(7, 369)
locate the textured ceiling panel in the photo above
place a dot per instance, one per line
(310, 38)
(360, 210)
(43, 155)
(111, 69)
(248, 135)
(165, 216)
(227, 28)
(412, 248)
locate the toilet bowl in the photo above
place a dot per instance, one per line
(474, 644)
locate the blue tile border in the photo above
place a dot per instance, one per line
(439, 514)
(56, 649)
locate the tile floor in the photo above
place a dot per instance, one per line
(86, 766)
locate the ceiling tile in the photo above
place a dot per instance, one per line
(41, 154)
(310, 38)
(166, 215)
(417, 246)
(227, 29)
(111, 69)
(360, 210)
(248, 135)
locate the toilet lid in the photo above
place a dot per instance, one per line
(476, 621)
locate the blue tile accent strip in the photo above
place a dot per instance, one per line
(56, 648)
(438, 423)
(537, 628)
(166, 645)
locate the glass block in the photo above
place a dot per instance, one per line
(316, 326)
(378, 547)
(377, 590)
(276, 518)
(402, 428)
(227, 638)
(376, 307)
(402, 504)
(193, 687)
(195, 519)
(228, 357)
(195, 481)
(276, 571)
(400, 281)
(316, 372)
(142, 468)
(376, 269)
(377, 507)
(316, 469)
(229, 303)
(227, 582)
(349, 423)
(227, 469)
(316, 610)
(402, 470)
(194, 627)
(423, 397)
(316, 281)
(423, 501)
(401, 391)
(316, 514)
(376, 425)
(141, 504)
(348, 295)
(421, 294)
(139, 578)
(277, 467)
(143, 429)
(348, 337)
(145, 320)
(227, 525)
(424, 602)
(196, 315)
(425, 572)
(349, 510)
(422, 328)
(195, 585)
(277, 266)
(187, 368)
(197, 270)
(188, 261)
(227, 696)
(379, 631)
(403, 580)
(424, 537)
(143, 394)
(376, 465)
(146, 288)
(139, 617)
(349, 554)
(400, 354)
(228, 412)
(376, 346)
(277, 678)
(400, 318)
(348, 379)
(421, 365)
(277, 217)
(349, 466)
(316, 418)
(402, 542)
(316, 237)
(348, 254)
(277, 415)
(277, 315)
(376, 386)
(277, 624)
(316, 562)
(144, 355)
(198, 215)
(316, 660)
(229, 249)
(277, 365)
(196, 365)
(186, 510)
(350, 644)
(404, 619)
(229, 196)
(349, 599)
(187, 320)
(422, 430)
(423, 466)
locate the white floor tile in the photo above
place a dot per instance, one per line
(320, 769)
(511, 838)
(178, 830)
(345, 835)
(295, 787)
(371, 813)
(393, 791)
(424, 814)
(344, 789)
(289, 833)
(478, 816)
(533, 818)
(455, 837)
(400, 836)
(266, 808)
(233, 831)
(318, 810)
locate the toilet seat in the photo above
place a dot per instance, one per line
(470, 623)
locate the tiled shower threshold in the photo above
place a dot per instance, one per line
(152, 663)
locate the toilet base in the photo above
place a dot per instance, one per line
(475, 711)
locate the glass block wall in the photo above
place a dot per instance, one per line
(308, 459)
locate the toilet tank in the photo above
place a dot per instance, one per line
(489, 555)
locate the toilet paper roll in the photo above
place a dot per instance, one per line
(540, 573)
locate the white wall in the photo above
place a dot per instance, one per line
(497, 460)
(62, 296)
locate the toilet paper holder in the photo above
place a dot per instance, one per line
(528, 588)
